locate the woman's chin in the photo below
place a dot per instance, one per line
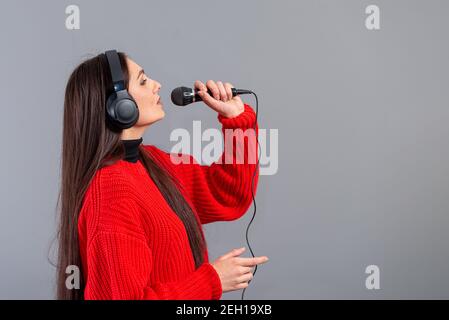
(155, 117)
(161, 115)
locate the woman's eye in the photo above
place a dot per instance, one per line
(143, 81)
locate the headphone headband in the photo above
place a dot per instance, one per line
(121, 109)
(116, 70)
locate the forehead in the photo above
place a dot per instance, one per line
(133, 67)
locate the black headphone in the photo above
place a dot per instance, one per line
(121, 109)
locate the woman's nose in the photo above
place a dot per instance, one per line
(158, 86)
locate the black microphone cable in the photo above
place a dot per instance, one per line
(252, 187)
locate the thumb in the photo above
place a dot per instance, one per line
(238, 99)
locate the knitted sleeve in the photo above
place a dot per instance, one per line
(120, 261)
(220, 191)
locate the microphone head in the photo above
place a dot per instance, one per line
(182, 96)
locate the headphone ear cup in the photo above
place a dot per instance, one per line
(122, 110)
(126, 112)
(110, 102)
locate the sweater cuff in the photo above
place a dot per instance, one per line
(215, 281)
(244, 120)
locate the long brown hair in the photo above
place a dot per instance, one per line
(89, 144)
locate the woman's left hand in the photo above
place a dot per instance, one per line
(221, 100)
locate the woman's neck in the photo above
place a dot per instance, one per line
(132, 149)
(133, 133)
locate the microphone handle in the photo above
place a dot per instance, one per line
(234, 93)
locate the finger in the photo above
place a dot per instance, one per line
(228, 88)
(244, 270)
(202, 89)
(212, 86)
(223, 94)
(242, 285)
(209, 101)
(200, 86)
(245, 278)
(250, 262)
(233, 253)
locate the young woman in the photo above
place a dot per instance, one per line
(131, 219)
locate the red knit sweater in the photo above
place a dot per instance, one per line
(134, 246)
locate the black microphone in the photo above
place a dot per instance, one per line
(183, 96)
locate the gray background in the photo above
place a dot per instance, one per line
(363, 132)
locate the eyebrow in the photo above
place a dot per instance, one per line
(140, 72)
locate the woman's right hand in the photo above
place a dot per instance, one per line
(235, 272)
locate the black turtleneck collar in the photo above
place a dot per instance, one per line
(132, 149)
